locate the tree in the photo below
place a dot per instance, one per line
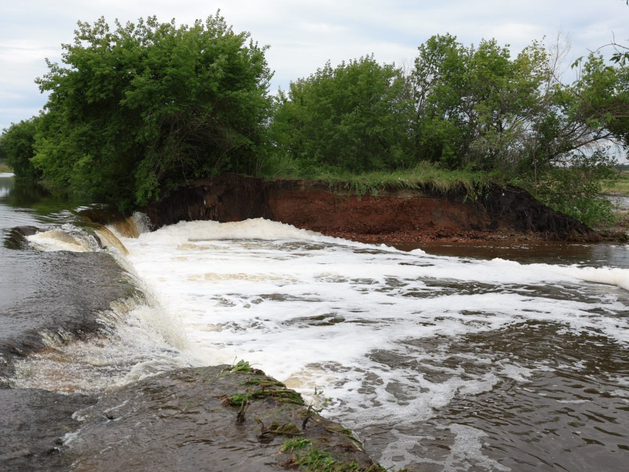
(437, 85)
(16, 148)
(135, 111)
(575, 126)
(473, 104)
(351, 117)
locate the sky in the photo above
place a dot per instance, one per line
(304, 34)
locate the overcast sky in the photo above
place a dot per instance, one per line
(302, 34)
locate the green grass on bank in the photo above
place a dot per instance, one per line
(425, 174)
(572, 193)
(4, 168)
(619, 187)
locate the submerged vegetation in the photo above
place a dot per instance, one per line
(136, 110)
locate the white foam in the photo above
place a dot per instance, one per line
(604, 275)
(369, 325)
(65, 238)
(211, 230)
(141, 343)
(467, 451)
(259, 290)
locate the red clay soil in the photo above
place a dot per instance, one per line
(393, 216)
(393, 219)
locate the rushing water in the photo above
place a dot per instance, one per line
(455, 359)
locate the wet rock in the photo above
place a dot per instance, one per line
(208, 419)
(33, 423)
(65, 297)
(16, 238)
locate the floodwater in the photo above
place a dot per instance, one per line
(446, 358)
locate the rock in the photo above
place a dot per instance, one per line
(66, 293)
(33, 422)
(209, 419)
(16, 238)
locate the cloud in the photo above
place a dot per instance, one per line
(304, 34)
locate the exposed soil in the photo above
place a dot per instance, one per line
(393, 216)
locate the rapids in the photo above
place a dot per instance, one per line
(439, 363)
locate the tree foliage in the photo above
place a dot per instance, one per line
(16, 148)
(465, 107)
(350, 117)
(473, 104)
(136, 110)
(575, 188)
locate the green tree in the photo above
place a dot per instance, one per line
(16, 148)
(351, 117)
(476, 107)
(579, 118)
(437, 87)
(135, 111)
(575, 187)
(473, 105)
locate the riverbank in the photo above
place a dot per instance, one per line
(395, 216)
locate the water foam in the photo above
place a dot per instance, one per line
(358, 321)
(376, 329)
(138, 341)
(64, 238)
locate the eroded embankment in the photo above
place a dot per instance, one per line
(393, 216)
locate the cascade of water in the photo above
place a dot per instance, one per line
(425, 356)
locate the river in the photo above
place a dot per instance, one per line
(441, 358)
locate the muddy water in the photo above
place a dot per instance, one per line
(561, 404)
(593, 255)
(476, 358)
(439, 363)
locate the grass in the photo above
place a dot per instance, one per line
(241, 366)
(296, 444)
(5, 168)
(264, 383)
(280, 394)
(618, 187)
(312, 459)
(425, 174)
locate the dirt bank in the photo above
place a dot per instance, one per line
(393, 216)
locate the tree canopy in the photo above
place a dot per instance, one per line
(350, 117)
(135, 111)
(462, 107)
(16, 148)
